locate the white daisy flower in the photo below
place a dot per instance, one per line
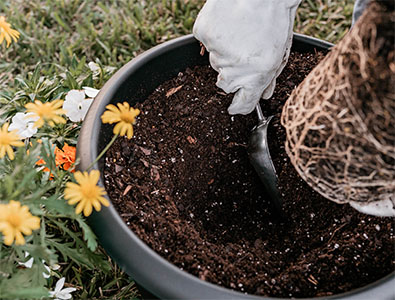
(90, 92)
(60, 293)
(24, 124)
(76, 106)
(95, 68)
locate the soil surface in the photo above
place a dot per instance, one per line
(185, 186)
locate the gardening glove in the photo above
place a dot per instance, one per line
(381, 208)
(249, 44)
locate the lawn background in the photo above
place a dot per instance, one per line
(60, 37)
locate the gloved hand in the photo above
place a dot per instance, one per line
(249, 43)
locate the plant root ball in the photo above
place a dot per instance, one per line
(340, 120)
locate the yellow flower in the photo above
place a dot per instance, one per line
(85, 192)
(15, 220)
(6, 32)
(124, 115)
(8, 139)
(47, 112)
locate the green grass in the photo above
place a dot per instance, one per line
(329, 20)
(58, 39)
(109, 31)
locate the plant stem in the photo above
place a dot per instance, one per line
(103, 152)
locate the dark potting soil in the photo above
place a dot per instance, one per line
(185, 186)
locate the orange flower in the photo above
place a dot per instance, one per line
(41, 162)
(65, 157)
(58, 157)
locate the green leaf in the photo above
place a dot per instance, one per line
(69, 251)
(78, 250)
(40, 252)
(56, 205)
(48, 154)
(71, 82)
(25, 293)
(28, 179)
(29, 281)
(105, 48)
(89, 236)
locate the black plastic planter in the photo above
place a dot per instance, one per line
(134, 82)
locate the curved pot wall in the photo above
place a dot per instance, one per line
(132, 83)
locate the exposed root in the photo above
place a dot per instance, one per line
(340, 121)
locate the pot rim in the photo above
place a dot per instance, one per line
(150, 269)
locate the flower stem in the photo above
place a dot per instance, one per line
(103, 152)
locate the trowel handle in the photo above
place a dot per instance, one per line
(259, 112)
